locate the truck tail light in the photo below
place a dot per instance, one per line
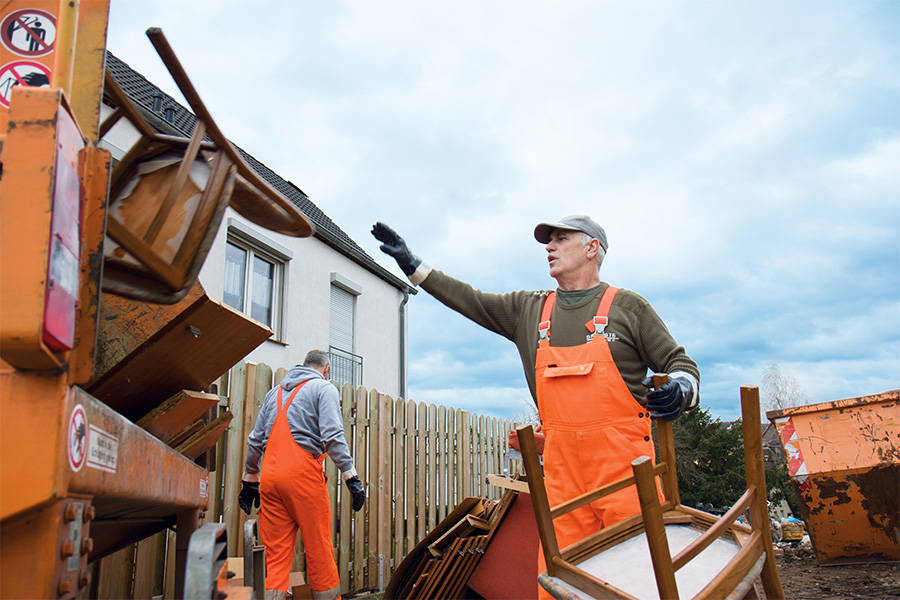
(63, 268)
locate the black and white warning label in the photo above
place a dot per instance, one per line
(28, 32)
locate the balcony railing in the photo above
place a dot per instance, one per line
(346, 367)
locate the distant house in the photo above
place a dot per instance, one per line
(319, 292)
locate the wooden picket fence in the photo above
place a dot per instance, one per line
(417, 461)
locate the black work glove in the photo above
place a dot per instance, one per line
(249, 496)
(667, 401)
(357, 492)
(393, 244)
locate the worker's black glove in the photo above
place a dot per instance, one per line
(669, 400)
(393, 244)
(357, 492)
(249, 496)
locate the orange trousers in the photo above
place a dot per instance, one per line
(294, 496)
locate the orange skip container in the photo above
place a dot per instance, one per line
(844, 459)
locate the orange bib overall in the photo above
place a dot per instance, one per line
(294, 495)
(593, 425)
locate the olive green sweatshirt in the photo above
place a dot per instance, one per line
(638, 338)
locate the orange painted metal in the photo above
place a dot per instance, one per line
(33, 407)
(64, 46)
(95, 166)
(87, 76)
(844, 457)
(61, 530)
(45, 59)
(27, 187)
(79, 46)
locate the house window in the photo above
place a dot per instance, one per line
(343, 309)
(255, 270)
(346, 367)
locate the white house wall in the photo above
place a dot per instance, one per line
(305, 321)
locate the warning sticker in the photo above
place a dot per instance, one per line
(28, 32)
(77, 438)
(103, 451)
(22, 72)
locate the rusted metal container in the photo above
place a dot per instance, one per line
(844, 459)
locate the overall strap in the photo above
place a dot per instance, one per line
(598, 324)
(291, 397)
(544, 324)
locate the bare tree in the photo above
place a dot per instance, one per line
(528, 416)
(781, 389)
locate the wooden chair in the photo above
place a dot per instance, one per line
(573, 571)
(168, 195)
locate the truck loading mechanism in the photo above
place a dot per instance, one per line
(107, 340)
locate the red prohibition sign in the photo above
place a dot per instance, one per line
(77, 438)
(22, 72)
(28, 32)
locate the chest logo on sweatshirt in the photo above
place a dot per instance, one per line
(609, 335)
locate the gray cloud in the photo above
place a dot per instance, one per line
(742, 157)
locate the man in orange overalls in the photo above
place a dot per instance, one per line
(298, 423)
(586, 349)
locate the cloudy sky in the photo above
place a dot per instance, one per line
(743, 156)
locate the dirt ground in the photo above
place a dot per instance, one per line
(803, 579)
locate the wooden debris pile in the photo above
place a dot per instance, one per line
(149, 358)
(441, 564)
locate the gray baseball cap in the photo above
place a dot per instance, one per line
(575, 222)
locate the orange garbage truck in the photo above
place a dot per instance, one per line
(108, 344)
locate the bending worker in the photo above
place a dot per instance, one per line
(300, 421)
(586, 349)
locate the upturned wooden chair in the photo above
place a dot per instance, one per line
(715, 557)
(168, 195)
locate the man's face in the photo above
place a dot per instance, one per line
(566, 253)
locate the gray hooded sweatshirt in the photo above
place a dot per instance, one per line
(314, 418)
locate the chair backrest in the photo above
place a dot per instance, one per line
(654, 516)
(168, 195)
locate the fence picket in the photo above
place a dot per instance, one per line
(374, 497)
(359, 518)
(399, 483)
(431, 505)
(235, 459)
(346, 517)
(411, 491)
(385, 483)
(421, 465)
(442, 462)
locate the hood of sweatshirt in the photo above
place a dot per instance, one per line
(298, 375)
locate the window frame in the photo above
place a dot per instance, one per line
(255, 244)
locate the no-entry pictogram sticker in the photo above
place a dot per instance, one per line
(28, 32)
(77, 438)
(21, 72)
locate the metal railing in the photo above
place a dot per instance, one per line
(346, 367)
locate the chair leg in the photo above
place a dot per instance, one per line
(654, 527)
(756, 476)
(539, 500)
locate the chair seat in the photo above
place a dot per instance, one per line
(628, 567)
